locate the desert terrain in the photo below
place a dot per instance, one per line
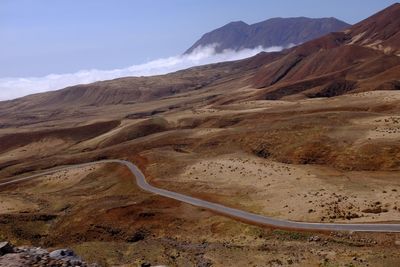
(208, 152)
(101, 214)
(281, 134)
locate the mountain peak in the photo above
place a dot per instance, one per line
(237, 23)
(271, 32)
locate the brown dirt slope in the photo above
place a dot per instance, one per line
(347, 58)
(380, 31)
(76, 134)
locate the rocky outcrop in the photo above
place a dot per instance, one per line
(5, 247)
(11, 256)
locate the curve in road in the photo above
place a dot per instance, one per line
(221, 209)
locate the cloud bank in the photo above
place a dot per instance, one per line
(11, 88)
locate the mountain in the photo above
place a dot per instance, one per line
(272, 32)
(380, 31)
(364, 57)
(355, 60)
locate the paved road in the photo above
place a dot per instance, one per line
(240, 214)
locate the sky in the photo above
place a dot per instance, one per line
(42, 38)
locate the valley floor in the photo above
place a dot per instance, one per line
(99, 212)
(318, 160)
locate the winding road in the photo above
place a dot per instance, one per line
(221, 209)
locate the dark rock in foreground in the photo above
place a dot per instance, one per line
(11, 256)
(5, 247)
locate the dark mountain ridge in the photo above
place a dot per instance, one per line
(272, 32)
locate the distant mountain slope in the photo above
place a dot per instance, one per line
(271, 32)
(380, 31)
(362, 58)
(355, 60)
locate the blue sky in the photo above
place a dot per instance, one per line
(39, 37)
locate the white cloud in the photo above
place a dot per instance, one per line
(11, 88)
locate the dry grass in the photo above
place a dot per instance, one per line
(311, 160)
